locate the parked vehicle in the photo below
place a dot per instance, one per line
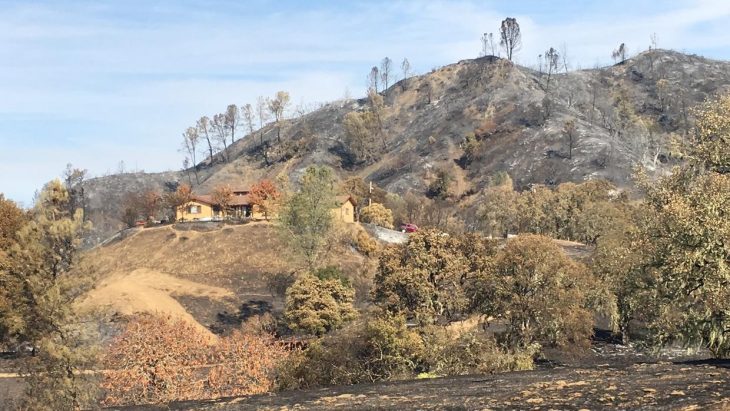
(408, 228)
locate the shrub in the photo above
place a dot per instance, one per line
(472, 353)
(315, 306)
(366, 244)
(157, 359)
(369, 350)
(377, 214)
(332, 273)
(440, 187)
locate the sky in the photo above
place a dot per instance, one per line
(97, 83)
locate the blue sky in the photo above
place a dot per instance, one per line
(94, 83)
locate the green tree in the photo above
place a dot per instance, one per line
(686, 263)
(317, 306)
(364, 136)
(685, 258)
(45, 281)
(709, 149)
(540, 293)
(498, 211)
(616, 262)
(440, 187)
(12, 219)
(306, 217)
(471, 146)
(426, 277)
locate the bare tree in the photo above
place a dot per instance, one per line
(652, 47)
(571, 133)
(73, 179)
(510, 36)
(405, 66)
(374, 79)
(220, 132)
(386, 67)
(277, 106)
(233, 120)
(263, 115)
(619, 55)
(248, 117)
(186, 169)
(203, 126)
(190, 147)
(552, 60)
(489, 48)
(564, 55)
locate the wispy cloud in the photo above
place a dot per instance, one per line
(98, 82)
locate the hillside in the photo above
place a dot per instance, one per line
(625, 115)
(211, 275)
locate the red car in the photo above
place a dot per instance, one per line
(409, 228)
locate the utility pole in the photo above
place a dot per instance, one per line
(370, 194)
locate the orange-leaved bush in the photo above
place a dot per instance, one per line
(159, 359)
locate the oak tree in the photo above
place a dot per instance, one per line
(306, 218)
(266, 196)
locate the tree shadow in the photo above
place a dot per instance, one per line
(251, 308)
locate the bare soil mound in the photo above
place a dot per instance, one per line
(148, 291)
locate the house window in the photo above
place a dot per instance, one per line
(194, 209)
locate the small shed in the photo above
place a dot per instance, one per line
(345, 210)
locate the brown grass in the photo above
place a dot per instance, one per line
(164, 269)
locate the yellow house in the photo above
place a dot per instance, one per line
(204, 208)
(345, 210)
(196, 209)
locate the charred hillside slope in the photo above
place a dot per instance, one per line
(472, 119)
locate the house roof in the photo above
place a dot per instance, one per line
(343, 199)
(207, 199)
(236, 200)
(240, 200)
(245, 199)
